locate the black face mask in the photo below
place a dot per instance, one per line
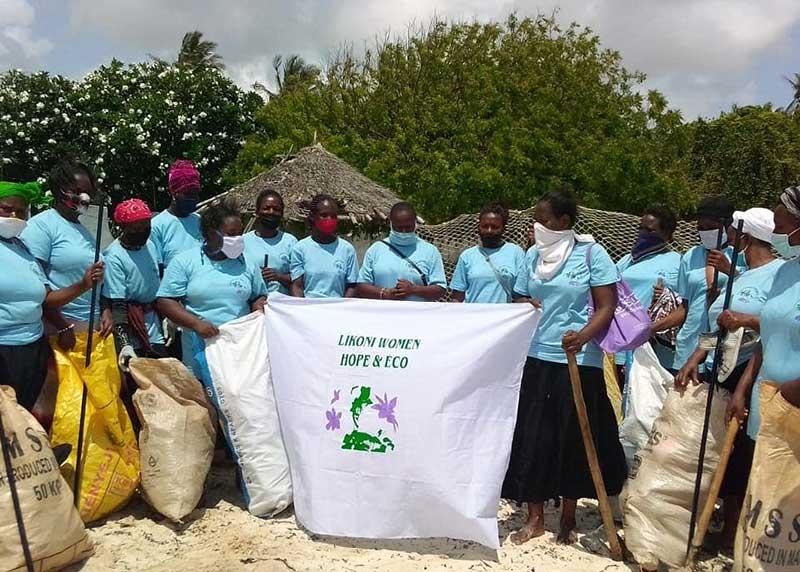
(491, 241)
(136, 239)
(270, 222)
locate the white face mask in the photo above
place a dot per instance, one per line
(780, 242)
(232, 246)
(708, 238)
(11, 227)
(554, 248)
(548, 238)
(83, 205)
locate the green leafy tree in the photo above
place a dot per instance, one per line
(38, 123)
(129, 122)
(749, 154)
(454, 115)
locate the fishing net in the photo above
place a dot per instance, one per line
(615, 231)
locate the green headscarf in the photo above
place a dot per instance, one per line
(30, 192)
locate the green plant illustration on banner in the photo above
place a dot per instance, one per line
(358, 439)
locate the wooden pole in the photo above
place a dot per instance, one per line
(591, 455)
(716, 483)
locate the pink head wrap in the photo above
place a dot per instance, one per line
(132, 210)
(183, 175)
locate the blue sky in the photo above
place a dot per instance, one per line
(705, 55)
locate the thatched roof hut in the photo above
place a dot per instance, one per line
(312, 171)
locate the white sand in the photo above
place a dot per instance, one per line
(226, 538)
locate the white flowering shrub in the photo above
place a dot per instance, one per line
(129, 122)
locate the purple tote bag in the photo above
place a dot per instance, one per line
(630, 327)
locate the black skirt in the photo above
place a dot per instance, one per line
(548, 458)
(24, 368)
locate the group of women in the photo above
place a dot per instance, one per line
(200, 271)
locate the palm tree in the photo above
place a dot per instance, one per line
(293, 73)
(795, 103)
(196, 52)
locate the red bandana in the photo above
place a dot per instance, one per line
(132, 210)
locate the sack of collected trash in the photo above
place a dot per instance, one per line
(657, 498)
(648, 384)
(55, 534)
(177, 436)
(110, 462)
(236, 372)
(768, 538)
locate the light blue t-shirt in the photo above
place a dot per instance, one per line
(383, 267)
(326, 269)
(132, 276)
(66, 250)
(780, 336)
(565, 300)
(278, 249)
(692, 287)
(22, 292)
(642, 276)
(216, 291)
(474, 275)
(172, 235)
(748, 296)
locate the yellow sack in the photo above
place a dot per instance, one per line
(612, 385)
(110, 454)
(768, 538)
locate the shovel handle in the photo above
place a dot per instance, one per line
(716, 483)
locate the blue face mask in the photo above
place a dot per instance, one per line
(780, 242)
(186, 205)
(647, 243)
(402, 238)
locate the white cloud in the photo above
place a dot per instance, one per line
(23, 37)
(702, 53)
(16, 12)
(18, 46)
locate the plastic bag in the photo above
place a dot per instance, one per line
(177, 437)
(648, 385)
(54, 530)
(768, 539)
(236, 372)
(111, 456)
(657, 499)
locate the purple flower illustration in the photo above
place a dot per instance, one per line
(335, 396)
(334, 418)
(385, 409)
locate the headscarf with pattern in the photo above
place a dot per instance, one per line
(791, 200)
(132, 210)
(183, 175)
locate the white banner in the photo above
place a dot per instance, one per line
(398, 416)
